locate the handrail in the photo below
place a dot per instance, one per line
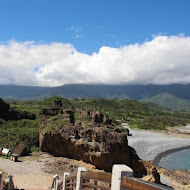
(106, 177)
(71, 176)
(137, 184)
(96, 180)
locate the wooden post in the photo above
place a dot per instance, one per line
(9, 182)
(79, 177)
(55, 182)
(118, 171)
(1, 180)
(64, 180)
(95, 183)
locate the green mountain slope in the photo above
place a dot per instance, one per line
(169, 101)
(174, 96)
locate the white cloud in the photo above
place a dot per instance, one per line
(77, 36)
(76, 30)
(163, 60)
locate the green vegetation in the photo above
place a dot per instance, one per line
(136, 114)
(4, 157)
(169, 101)
(140, 115)
(4, 173)
(15, 132)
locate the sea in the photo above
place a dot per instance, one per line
(177, 160)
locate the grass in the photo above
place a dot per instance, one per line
(4, 157)
(4, 173)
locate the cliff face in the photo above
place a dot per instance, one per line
(99, 146)
(7, 113)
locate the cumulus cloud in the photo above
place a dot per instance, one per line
(163, 60)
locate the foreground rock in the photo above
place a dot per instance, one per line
(101, 146)
(8, 113)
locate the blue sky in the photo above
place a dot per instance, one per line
(56, 42)
(89, 25)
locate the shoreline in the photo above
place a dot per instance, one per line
(154, 146)
(158, 158)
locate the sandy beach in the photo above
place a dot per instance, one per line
(152, 145)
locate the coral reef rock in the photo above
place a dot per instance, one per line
(103, 147)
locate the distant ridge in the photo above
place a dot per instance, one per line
(137, 92)
(169, 101)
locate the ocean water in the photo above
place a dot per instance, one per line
(177, 160)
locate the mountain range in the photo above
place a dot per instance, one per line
(174, 96)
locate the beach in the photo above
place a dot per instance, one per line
(153, 146)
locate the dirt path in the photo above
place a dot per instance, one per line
(28, 173)
(33, 181)
(24, 167)
(38, 171)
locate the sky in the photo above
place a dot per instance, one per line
(56, 42)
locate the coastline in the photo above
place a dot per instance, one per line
(151, 145)
(158, 158)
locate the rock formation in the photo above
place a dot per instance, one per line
(8, 113)
(50, 111)
(97, 117)
(100, 146)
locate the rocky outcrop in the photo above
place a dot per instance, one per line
(50, 111)
(7, 113)
(99, 146)
(99, 118)
(107, 120)
(68, 114)
(152, 173)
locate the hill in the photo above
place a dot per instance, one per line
(23, 92)
(136, 92)
(174, 96)
(169, 101)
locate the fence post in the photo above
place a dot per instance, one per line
(118, 171)
(79, 177)
(55, 182)
(64, 179)
(9, 181)
(1, 180)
